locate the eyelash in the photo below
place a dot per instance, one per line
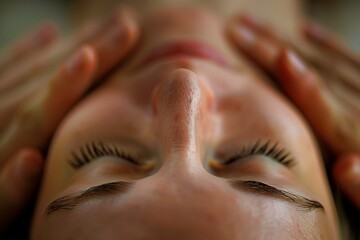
(92, 151)
(266, 149)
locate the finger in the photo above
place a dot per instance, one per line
(262, 29)
(72, 81)
(18, 181)
(111, 45)
(335, 68)
(338, 82)
(329, 42)
(325, 113)
(25, 71)
(118, 39)
(262, 51)
(346, 172)
(35, 121)
(39, 39)
(348, 75)
(348, 96)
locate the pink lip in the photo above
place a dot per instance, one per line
(185, 49)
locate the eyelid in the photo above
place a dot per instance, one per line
(93, 151)
(268, 149)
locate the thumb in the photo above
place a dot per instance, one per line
(346, 172)
(18, 181)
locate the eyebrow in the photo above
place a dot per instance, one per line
(304, 203)
(70, 201)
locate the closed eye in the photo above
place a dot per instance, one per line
(267, 149)
(92, 151)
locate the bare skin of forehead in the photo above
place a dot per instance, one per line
(274, 13)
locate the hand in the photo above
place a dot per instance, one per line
(34, 99)
(329, 96)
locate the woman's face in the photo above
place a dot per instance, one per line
(184, 144)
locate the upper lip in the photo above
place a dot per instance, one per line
(185, 49)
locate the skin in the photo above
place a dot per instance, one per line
(183, 117)
(41, 79)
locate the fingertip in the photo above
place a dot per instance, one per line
(119, 38)
(23, 170)
(46, 34)
(314, 31)
(295, 72)
(243, 36)
(123, 27)
(293, 63)
(89, 56)
(28, 165)
(131, 21)
(302, 84)
(347, 168)
(18, 180)
(346, 173)
(83, 61)
(50, 30)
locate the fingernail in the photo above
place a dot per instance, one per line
(245, 36)
(76, 62)
(296, 63)
(27, 167)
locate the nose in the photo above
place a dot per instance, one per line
(181, 103)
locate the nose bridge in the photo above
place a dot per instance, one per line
(180, 104)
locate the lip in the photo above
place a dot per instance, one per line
(185, 49)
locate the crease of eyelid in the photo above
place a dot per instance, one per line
(70, 201)
(304, 203)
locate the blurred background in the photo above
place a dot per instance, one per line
(341, 16)
(18, 16)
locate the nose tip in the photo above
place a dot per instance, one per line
(180, 102)
(182, 85)
(178, 88)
